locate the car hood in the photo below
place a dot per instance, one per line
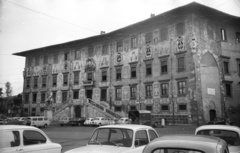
(99, 149)
(234, 149)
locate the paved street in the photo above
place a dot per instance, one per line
(71, 137)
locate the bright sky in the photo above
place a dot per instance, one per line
(29, 24)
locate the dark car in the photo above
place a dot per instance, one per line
(12, 121)
(221, 121)
(77, 121)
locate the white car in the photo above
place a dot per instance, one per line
(88, 121)
(64, 121)
(118, 139)
(19, 138)
(124, 120)
(186, 144)
(231, 134)
(99, 121)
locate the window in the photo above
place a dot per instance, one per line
(37, 61)
(119, 46)
(35, 82)
(164, 67)
(141, 138)
(64, 96)
(133, 92)
(33, 137)
(66, 56)
(89, 76)
(90, 52)
(164, 89)
(44, 81)
(226, 67)
(148, 91)
(228, 89)
(9, 139)
(223, 34)
(65, 79)
(152, 134)
(105, 50)
(43, 95)
(149, 108)
(164, 34)
(133, 72)
(238, 66)
(45, 60)
(238, 37)
(34, 97)
(42, 110)
(180, 29)
(118, 73)
(104, 75)
(118, 93)
(77, 54)
(75, 94)
(33, 112)
(76, 78)
(148, 69)
(164, 107)
(134, 42)
(26, 98)
(103, 94)
(181, 87)
(182, 107)
(28, 82)
(148, 38)
(118, 108)
(180, 63)
(54, 96)
(54, 80)
(133, 108)
(55, 58)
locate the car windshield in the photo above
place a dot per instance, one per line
(231, 137)
(112, 136)
(176, 150)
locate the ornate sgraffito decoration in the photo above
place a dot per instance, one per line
(96, 94)
(133, 56)
(90, 65)
(44, 70)
(118, 103)
(193, 45)
(126, 92)
(156, 92)
(119, 58)
(77, 65)
(54, 69)
(148, 101)
(36, 71)
(148, 51)
(104, 61)
(28, 71)
(180, 45)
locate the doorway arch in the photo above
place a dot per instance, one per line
(77, 111)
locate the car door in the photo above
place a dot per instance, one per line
(11, 142)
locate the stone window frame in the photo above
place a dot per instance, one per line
(133, 66)
(118, 96)
(180, 109)
(225, 64)
(105, 49)
(223, 34)
(238, 66)
(178, 56)
(34, 97)
(44, 81)
(118, 69)
(54, 78)
(90, 51)
(164, 109)
(148, 65)
(134, 42)
(184, 92)
(118, 108)
(65, 79)
(77, 54)
(54, 96)
(43, 97)
(64, 96)
(148, 90)
(163, 34)
(133, 108)
(104, 75)
(148, 37)
(228, 89)
(180, 29)
(149, 106)
(75, 94)
(101, 94)
(28, 82)
(66, 56)
(26, 98)
(163, 59)
(161, 83)
(133, 96)
(35, 82)
(76, 75)
(119, 46)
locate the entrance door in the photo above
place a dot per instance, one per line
(77, 111)
(89, 93)
(212, 113)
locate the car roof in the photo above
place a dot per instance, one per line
(196, 142)
(127, 126)
(15, 127)
(218, 127)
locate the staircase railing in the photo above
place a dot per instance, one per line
(62, 107)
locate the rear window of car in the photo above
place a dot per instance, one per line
(176, 150)
(11, 139)
(31, 137)
(231, 137)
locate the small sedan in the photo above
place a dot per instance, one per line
(118, 139)
(19, 138)
(88, 121)
(229, 133)
(186, 144)
(124, 121)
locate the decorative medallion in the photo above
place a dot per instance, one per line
(119, 57)
(180, 44)
(148, 51)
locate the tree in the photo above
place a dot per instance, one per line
(1, 92)
(8, 89)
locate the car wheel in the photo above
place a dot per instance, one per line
(45, 125)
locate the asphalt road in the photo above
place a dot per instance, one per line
(71, 137)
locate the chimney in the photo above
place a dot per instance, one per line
(102, 32)
(152, 15)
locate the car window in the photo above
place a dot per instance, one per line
(152, 135)
(34, 119)
(45, 118)
(231, 137)
(141, 138)
(40, 119)
(11, 139)
(175, 150)
(33, 137)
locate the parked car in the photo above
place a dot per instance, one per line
(119, 139)
(23, 120)
(221, 120)
(77, 121)
(124, 120)
(186, 144)
(88, 121)
(64, 121)
(19, 138)
(12, 121)
(229, 133)
(38, 121)
(99, 121)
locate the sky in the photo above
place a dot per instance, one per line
(30, 24)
